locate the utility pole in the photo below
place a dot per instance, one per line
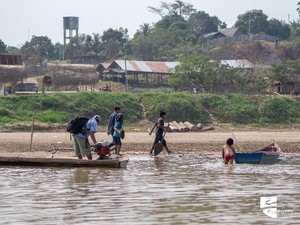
(126, 77)
(249, 24)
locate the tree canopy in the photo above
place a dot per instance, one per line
(181, 31)
(2, 46)
(287, 71)
(253, 21)
(38, 50)
(200, 71)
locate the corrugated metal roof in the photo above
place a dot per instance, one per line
(238, 63)
(145, 66)
(118, 66)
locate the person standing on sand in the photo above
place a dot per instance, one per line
(160, 127)
(81, 143)
(228, 152)
(111, 125)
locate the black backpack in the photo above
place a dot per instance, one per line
(76, 124)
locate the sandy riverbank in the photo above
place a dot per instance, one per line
(139, 143)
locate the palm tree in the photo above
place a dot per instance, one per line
(178, 7)
(96, 43)
(181, 8)
(145, 29)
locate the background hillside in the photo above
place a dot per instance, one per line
(257, 52)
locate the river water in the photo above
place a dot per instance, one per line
(152, 190)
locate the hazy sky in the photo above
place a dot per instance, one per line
(20, 19)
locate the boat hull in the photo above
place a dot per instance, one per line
(256, 158)
(63, 162)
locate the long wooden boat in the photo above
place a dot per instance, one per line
(63, 162)
(266, 155)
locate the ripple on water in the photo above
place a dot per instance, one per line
(152, 190)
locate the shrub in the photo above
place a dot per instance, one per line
(51, 116)
(280, 110)
(179, 107)
(4, 112)
(214, 104)
(241, 109)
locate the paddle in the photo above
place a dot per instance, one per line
(235, 139)
(158, 147)
(122, 134)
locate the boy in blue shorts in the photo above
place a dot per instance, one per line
(116, 136)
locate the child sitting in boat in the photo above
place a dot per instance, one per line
(228, 152)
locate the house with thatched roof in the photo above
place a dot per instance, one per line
(230, 32)
(223, 33)
(71, 75)
(11, 71)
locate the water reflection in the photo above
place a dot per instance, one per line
(80, 175)
(152, 190)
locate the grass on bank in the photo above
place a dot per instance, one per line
(53, 110)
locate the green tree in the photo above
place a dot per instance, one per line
(145, 29)
(167, 21)
(88, 44)
(287, 71)
(164, 6)
(113, 42)
(76, 47)
(181, 8)
(38, 50)
(279, 29)
(177, 7)
(83, 45)
(2, 46)
(13, 49)
(257, 20)
(96, 43)
(58, 51)
(202, 23)
(295, 29)
(256, 80)
(198, 70)
(145, 49)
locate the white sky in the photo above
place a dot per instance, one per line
(20, 19)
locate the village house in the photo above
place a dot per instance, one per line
(138, 71)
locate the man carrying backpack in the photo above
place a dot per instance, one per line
(81, 143)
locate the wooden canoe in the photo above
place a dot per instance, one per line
(63, 162)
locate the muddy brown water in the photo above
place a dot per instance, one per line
(152, 190)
